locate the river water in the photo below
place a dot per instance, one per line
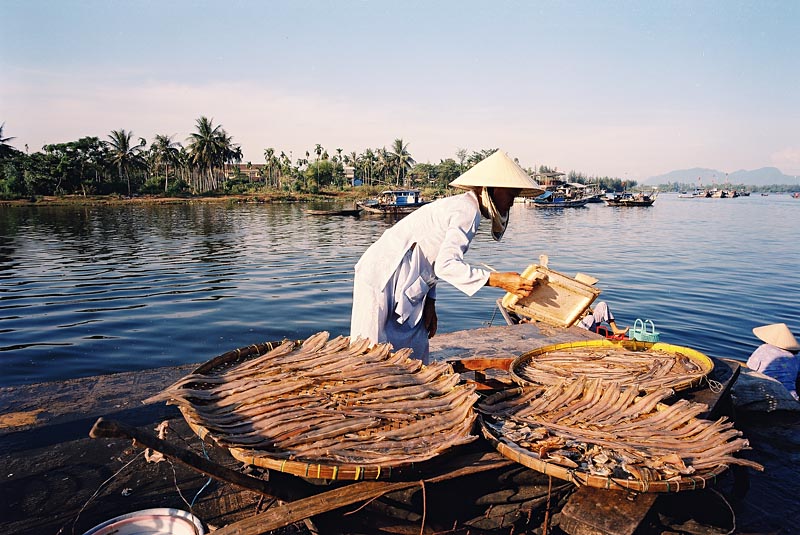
(100, 289)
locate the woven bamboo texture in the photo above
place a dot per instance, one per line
(326, 408)
(643, 365)
(599, 435)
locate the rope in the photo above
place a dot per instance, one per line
(424, 506)
(715, 386)
(207, 482)
(733, 514)
(545, 523)
(175, 480)
(494, 313)
(97, 492)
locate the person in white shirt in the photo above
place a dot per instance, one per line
(394, 289)
(777, 356)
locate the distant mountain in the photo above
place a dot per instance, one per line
(766, 176)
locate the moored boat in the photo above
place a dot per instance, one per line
(561, 194)
(394, 201)
(346, 212)
(695, 194)
(550, 199)
(632, 199)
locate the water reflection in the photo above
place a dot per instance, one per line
(87, 290)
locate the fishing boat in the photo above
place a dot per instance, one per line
(551, 199)
(632, 199)
(694, 194)
(560, 194)
(594, 193)
(394, 201)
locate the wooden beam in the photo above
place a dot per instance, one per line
(110, 429)
(357, 492)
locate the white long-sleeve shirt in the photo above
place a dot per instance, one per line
(441, 233)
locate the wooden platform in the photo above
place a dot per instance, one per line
(50, 468)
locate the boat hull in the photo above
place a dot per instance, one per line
(562, 204)
(391, 208)
(612, 202)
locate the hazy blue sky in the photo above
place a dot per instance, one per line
(630, 89)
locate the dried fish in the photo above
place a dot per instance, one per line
(330, 400)
(646, 369)
(607, 430)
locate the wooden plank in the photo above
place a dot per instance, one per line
(593, 511)
(503, 341)
(290, 513)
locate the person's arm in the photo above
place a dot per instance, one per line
(429, 317)
(511, 282)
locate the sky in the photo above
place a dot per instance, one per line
(626, 89)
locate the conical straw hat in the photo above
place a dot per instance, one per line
(778, 334)
(498, 171)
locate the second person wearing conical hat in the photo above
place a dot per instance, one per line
(394, 289)
(777, 356)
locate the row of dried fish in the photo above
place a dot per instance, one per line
(648, 369)
(602, 429)
(329, 400)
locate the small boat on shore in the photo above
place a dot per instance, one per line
(354, 212)
(394, 201)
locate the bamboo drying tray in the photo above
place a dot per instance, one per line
(593, 434)
(556, 299)
(330, 409)
(625, 362)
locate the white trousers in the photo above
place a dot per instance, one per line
(393, 314)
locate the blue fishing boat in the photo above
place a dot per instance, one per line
(394, 201)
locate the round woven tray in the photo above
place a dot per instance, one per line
(432, 432)
(689, 368)
(523, 456)
(494, 422)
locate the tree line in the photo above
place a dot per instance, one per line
(210, 162)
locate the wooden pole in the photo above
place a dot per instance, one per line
(103, 428)
(290, 513)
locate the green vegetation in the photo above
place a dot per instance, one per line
(210, 163)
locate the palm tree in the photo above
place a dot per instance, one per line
(284, 168)
(206, 148)
(166, 152)
(383, 164)
(231, 152)
(5, 148)
(124, 155)
(318, 151)
(368, 161)
(401, 159)
(268, 155)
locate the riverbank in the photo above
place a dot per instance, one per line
(249, 198)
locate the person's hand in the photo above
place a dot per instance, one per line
(429, 318)
(511, 282)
